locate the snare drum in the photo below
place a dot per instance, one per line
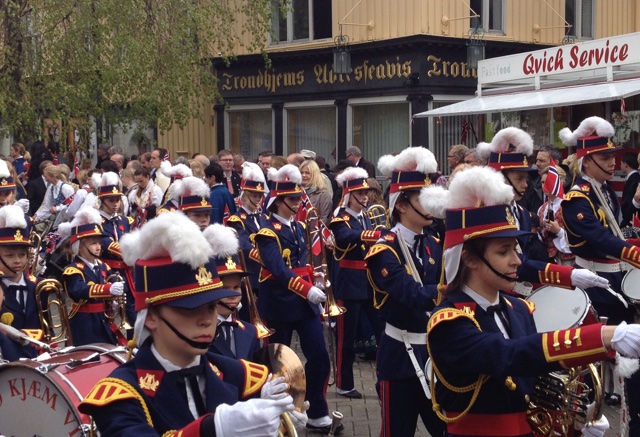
(561, 308)
(631, 286)
(41, 397)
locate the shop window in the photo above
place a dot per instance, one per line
(250, 132)
(447, 131)
(300, 20)
(381, 129)
(491, 15)
(579, 14)
(312, 129)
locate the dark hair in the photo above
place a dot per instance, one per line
(162, 152)
(142, 171)
(39, 153)
(109, 165)
(552, 150)
(214, 170)
(146, 156)
(631, 159)
(476, 247)
(266, 153)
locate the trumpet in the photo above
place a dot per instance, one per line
(379, 217)
(56, 304)
(117, 306)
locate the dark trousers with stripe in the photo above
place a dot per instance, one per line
(401, 402)
(315, 351)
(346, 328)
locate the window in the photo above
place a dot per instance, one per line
(302, 20)
(491, 15)
(579, 13)
(313, 129)
(250, 132)
(447, 131)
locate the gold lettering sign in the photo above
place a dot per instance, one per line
(440, 67)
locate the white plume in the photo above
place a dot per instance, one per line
(626, 366)
(410, 159)
(165, 166)
(192, 186)
(589, 126)
(351, 173)
(12, 216)
(169, 234)
(483, 150)
(174, 188)
(4, 169)
(510, 137)
(386, 164)
(479, 185)
(109, 178)
(222, 239)
(286, 173)
(84, 216)
(176, 170)
(252, 172)
(435, 200)
(96, 178)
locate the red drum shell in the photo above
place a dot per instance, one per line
(36, 403)
(561, 308)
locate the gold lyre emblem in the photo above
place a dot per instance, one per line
(365, 184)
(115, 190)
(203, 202)
(230, 265)
(4, 182)
(204, 276)
(18, 236)
(148, 382)
(510, 219)
(468, 310)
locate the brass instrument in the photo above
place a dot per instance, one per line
(46, 315)
(35, 241)
(115, 306)
(256, 320)
(283, 361)
(336, 418)
(379, 217)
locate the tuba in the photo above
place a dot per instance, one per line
(51, 307)
(379, 217)
(116, 306)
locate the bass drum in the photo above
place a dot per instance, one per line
(40, 398)
(561, 308)
(631, 287)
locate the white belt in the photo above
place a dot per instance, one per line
(595, 266)
(401, 335)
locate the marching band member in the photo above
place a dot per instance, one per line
(20, 308)
(404, 268)
(175, 174)
(353, 235)
(193, 198)
(85, 282)
(235, 338)
(11, 350)
(177, 288)
(145, 198)
(483, 343)
(507, 153)
(8, 193)
(288, 299)
(114, 226)
(590, 211)
(247, 221)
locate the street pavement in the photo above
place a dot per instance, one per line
(362, 416)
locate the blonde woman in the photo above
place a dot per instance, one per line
(58, 196)
(316, 189)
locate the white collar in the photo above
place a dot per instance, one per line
(229, 318)
(406, 233)
(480, 300)
(9, 282)
(283, 220)
(89, 263)
(168, 365)
(353, 213)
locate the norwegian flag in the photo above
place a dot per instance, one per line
(466, 127)
(553, 184)
(226, 214)
(167, 157)
(325, 233)
(623, 108)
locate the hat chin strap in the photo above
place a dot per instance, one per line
(290, 209)
(598, 165)
(495, 272)
(196, 344)
(512, 186)
(226, 306)
(424, 216)
(7, 266)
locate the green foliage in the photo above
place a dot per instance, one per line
(118, 60)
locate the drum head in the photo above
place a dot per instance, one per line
(559, 308)
(631, 285)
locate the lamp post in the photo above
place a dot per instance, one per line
(341, 54)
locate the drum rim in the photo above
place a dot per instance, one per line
(583, 315)
(634, 299)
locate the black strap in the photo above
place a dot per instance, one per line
(500, 311)
(190, 374)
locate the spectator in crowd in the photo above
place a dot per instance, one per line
(201, 159)
(311, 155)
(37, 188)
(471, 157)
(629, 166)
(295, 159)
(119, 160)
(264, 161)
(103, 153)
(278, 161)
(456, 155)
(38, 153)
(316, 189)
(145, 160)
(197, 168)
(533, 196)
(17, 152)
(355, 156)
(238, 160)
(232, 179)
(156, 159)
(222, 203)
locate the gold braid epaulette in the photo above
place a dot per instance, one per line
(445, 315)
(108, 390)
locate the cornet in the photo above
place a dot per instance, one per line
(54, 304)
(379, 217)
(117, 306)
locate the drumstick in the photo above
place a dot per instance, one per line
(620, 298)
(21, 337)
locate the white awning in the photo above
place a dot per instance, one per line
(546, 98)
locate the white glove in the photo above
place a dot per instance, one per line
(300, 419)
(316, 295)
(117, 288)
(252, 418)
(24, 204)
(626, 340)
(319, 280)
(274, 388)
(597, 428)
(583, 278)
